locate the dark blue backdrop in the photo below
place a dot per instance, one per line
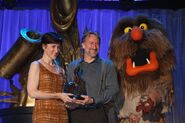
(103, 21)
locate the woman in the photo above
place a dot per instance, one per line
(45, 84)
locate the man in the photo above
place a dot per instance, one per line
(100, 81)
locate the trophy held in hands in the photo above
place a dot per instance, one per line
(76, 87)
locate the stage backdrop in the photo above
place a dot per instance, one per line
(103, 21)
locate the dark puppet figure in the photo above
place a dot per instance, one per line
(144, 58)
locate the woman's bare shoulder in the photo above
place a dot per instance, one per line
(35, 64)
(60, 70)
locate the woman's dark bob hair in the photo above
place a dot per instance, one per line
(52, 38)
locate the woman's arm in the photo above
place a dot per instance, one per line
(33, 82)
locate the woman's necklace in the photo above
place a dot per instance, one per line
(50, 67)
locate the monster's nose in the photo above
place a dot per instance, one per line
(136, 34)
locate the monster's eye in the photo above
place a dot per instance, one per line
(127, 29)
(143, 26)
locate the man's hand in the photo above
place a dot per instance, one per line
(86, 100)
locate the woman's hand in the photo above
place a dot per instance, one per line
(65, 97)
(68, 100)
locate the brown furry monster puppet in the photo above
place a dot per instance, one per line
(144, 59)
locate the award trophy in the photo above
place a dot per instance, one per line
(76, 87)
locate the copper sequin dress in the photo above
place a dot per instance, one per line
(49, 110)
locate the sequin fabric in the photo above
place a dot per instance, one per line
(52, 110)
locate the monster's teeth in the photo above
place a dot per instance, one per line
(148, 61)
(133, 65)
